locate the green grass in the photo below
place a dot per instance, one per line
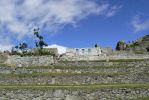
(74, 87)
(79, 67)
(4, 65)
(73, 67)
(76, 67)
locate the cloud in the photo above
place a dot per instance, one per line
(139, 24)
(5, 44)
(5, 47)
(19, 17)
(113, 10)
(61, 49)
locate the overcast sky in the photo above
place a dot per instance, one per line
(73, 23)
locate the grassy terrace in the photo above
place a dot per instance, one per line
(79, 67)
(59, 74)
(74, 87)
(110, 60)
(82, 67)
(75, 67)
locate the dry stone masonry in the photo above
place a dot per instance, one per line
(80, 74)
(29, 61)
(101, 94)
(98, 53)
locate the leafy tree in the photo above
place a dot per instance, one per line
(96, 45)
(16, 47)
(40, 43)
(36, 32)
(23, 46)
(121, 45)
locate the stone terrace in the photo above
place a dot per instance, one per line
(75, 80)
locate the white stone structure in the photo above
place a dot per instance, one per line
(98, 53)
(83, 51)
(76, 54)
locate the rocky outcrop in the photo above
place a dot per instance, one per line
(139, 46)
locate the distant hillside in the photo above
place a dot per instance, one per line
(140, 45)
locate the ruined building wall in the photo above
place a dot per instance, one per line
(76, 54)
(83, 51)
(72, 54)
(83, 54)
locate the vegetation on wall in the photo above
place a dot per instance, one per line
(138, 46)
(23, 50)
(121, 45)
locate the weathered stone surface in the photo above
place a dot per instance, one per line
(101, 94)
(77, 79)
(29, 61)
(114, 55)
(132, 72)
(3, 57)
(71, 97)
(109, 73)
(103, 63)
(91, 69)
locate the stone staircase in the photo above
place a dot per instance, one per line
(96, 80)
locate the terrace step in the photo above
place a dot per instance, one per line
(71, 69)
(74, 92)
(74, 78)
(119, 62)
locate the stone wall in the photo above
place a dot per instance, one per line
(126, 55)
(75, 79)
(3, 58)
(29, 61)
(83, 51)
(92, 73)
(107, 50)
(103, 56)
(35, 70)
(101, 94)
(75, 69)
(49, 51)
(98, 53)
(104, 64)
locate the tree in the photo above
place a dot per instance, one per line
(96, 45)
(23, 46)
(121, 45)
(36, 32)
(40, 43)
